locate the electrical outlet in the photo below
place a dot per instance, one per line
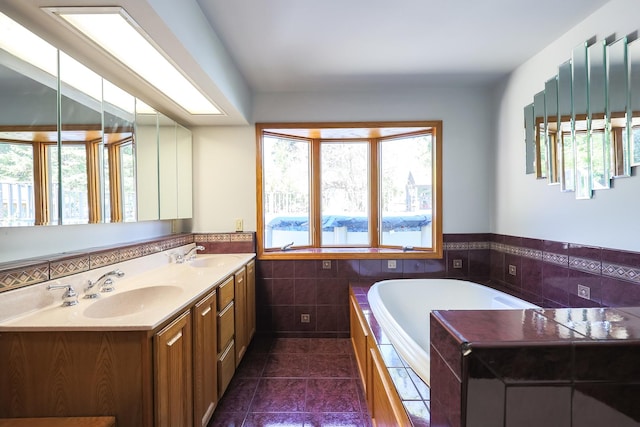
(305, 318)
(512, 269)
(391, 264)
(584, 292)
(239, 225)
(326, 264)
(457, 263)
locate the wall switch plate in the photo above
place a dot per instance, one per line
(326, 264)
(391, 264)
(457, 263)
(305, 318)
(512, 269)
(239, 225)
(584, 292)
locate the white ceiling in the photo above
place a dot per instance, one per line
(302, 45)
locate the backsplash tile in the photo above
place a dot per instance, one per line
(22, 273)
(23, 276)
(68, 266)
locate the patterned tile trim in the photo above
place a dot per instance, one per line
(19, 277)
(242, 237)
(557, 259)
(68, 267)
(587, 265)
(224, 237)
(621, 272)
(463, 246)
(13, 277)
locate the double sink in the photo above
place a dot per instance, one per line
(141, 301)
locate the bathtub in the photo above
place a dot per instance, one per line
(402, 309)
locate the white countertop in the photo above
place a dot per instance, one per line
(130, 309)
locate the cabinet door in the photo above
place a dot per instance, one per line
(251, 300)
(173, 374)
(359, 334)
(241, 314)
(384, 404)
(205, 369)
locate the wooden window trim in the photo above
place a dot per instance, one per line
(375, 251)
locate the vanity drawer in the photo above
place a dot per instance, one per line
(226, 326)
(225, 293)
(226, 367)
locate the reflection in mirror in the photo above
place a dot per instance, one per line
(567, 157)
(600, 148)
(617, 87)
(119, 174)
(580, 130)
(541, 144)
(633, 56)
(551, 127)
(168, 168)
(146, 145)
(529, 139)
(28, 127)
(184, 165)
(81, 142)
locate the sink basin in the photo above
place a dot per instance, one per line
(131, 302)
(214, 261)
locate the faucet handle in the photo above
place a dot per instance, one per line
(107, 286)
(69, 297)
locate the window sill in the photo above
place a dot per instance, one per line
(350, 253)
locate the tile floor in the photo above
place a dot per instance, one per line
(294, 382)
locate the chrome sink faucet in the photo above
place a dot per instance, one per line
(69, 298)
(103, 284)
(189, 255)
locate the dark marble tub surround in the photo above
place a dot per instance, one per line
(561, 367)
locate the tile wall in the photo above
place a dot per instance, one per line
(547, 273)
(28, 272)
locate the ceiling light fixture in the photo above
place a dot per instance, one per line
(112, 29)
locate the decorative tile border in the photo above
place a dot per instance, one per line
(68, 267)
(20, 274)
(622, 272)
(25, 276)
(463, 246)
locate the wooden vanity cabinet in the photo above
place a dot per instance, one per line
(205, 366)
(171, 376)
(173, 385)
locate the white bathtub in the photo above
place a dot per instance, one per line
(402, 309)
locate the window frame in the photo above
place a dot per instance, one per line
(375, 251)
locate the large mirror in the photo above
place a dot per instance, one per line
(584, 127)
(77, 149)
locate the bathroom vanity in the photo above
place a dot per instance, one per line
(159, 351)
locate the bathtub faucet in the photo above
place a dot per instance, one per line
(287, 246)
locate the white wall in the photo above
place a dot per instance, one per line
(224, 157)
(528, 207)
(224, 178)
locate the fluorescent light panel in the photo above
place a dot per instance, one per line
(115, 32)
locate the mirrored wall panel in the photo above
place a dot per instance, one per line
(77, 149)
(583, 129)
